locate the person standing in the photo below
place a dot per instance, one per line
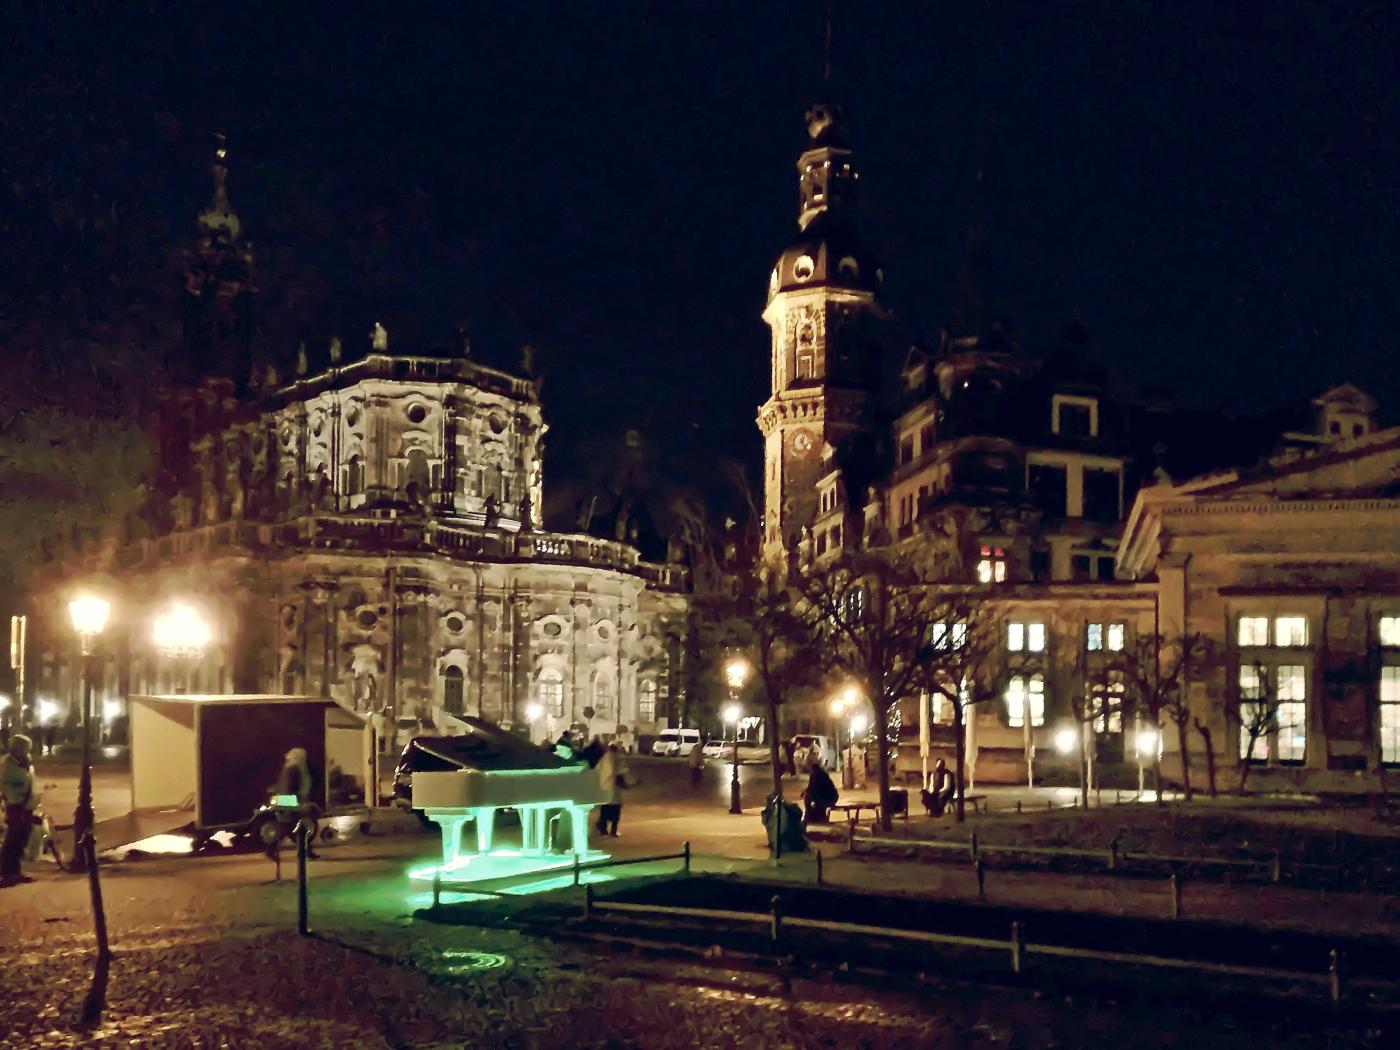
(697, 766)
(613, 777)
(296, 779)
(17, 790)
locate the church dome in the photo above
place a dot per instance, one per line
(826, 254)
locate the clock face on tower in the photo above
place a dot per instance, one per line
(802, 442)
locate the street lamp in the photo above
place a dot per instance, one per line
(533, 713)
(181, 633)
(841, 705)
(732, 713)
(88, 614)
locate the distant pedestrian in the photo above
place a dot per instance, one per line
(296, 779)
(17, 791)
(790, 757)
(697, 767)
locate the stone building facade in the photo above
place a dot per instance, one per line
(370, 531)
(1027, 481)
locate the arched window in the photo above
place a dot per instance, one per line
(549, 691)
(602, 694)
(419, 475)
(646, 701)
(453, 690)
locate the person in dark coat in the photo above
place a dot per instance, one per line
(295, 779)
(593, 752)
(939, 790)
(789, 759)
(17, 788)
(819, 795)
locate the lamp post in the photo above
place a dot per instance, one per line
(736, 673)
(181, 633)
(88, 614)
(843, 706)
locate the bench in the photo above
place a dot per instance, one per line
(853, 810)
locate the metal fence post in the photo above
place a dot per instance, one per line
(685, 849)
(1337, 975)
(981, 880)
(437, 888)
(303, 833)
(1275, 867)
(851, 836)
(587, 902)
(819, 867)
(1176, 895)
(972, 845)
(775, 931)
(576, 866)
(1113, 854)
(1018, 807)
(1018, 947)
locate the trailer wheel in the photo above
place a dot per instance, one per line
(267, 830)
(327, 833)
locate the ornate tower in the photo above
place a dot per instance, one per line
(823, 300)
(218, 299)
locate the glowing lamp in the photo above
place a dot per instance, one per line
(111, 710)
(4, 702)
(859, 724)
(850, 694)
(732, 713)
(1065, 739)
(736, 672)
(48, 711)
(89, 615)
(181, 631)
(533, 712)
(1146, 741)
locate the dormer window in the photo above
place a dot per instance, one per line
(1074, 417)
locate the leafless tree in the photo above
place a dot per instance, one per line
(871, 615)
(1158, 670)
(1256, 715)
(959, 662)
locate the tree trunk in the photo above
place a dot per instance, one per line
(1210, 755)
(882, 770)
(1246, 763)
(1030, 747)
(1086, 767)
(959, 762)
(1183, 736)
(1157, 762)
(773, 743)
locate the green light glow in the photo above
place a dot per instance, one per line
(499, 864)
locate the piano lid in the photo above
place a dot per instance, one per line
(487, 748)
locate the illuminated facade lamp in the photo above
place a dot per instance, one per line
(1065, 740)
(181, 631)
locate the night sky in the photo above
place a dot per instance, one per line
(1211, 187)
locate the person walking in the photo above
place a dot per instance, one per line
(613, 776)
(17, 791)
(697, 767)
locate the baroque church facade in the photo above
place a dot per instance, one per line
(1088, 522)
(371, 531)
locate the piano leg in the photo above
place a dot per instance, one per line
(451, 837)
(529, 820)
(485, 823)
(579, 816)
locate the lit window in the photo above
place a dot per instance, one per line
(1035, 637)
(1254, 630)
(1015, 637)
(940, 637)
(854, 605)
(991, 567)
(1291, 631)
(1390, 715)
(602, 694)
(1292, 713)
(1390, 631)
(1106, 703)
(1022, 690)
(551, 692)
(646, 701)
(1093, 638)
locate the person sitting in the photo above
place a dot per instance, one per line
(939, 790)
(820, 795)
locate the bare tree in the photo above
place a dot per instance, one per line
(959, 663)
(1158, 670)
(871, 615)
(1255, 712)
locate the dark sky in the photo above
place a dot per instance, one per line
(1211, 186)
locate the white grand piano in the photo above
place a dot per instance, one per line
(498, 770)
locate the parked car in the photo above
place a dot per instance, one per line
(723, 751)
(672, 742)
(804, 744)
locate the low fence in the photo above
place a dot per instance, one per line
(579, 867)
(1015, 945)
(1111, 857)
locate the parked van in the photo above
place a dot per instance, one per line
(676, 742)
(805, 745)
